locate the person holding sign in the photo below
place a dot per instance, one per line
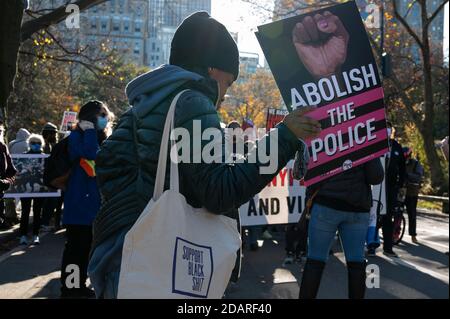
(36, 144)
(341, 203)
(205, 60)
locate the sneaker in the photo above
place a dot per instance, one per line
(371, 252)
(23, 240)
(267, 235)
(390, 254)
(414, 239)
(289, 259)
(36, 240)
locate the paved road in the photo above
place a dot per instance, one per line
(421, 272)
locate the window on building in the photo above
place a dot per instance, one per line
(153, 46)
(93, 24)
(137, 27)
(104, 25)
(112, 6)
(136, 48)
(126, 26)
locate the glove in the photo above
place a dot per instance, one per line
(86, 125)
(4, 185)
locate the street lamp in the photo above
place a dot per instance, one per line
(386, 67)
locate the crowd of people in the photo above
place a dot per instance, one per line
(112, 173)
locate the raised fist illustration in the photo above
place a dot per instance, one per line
(321, 43)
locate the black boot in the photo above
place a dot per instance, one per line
(356, 279)
(311, 279)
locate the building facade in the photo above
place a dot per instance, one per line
(164, 18)
(123, 23)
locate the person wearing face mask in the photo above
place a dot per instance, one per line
(82, 197)
(395, 179)
(36, 144)
(204, 60)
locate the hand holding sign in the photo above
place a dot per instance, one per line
(321, 43)
(302, 126)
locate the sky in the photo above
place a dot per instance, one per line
(238, 16)
(241, 17)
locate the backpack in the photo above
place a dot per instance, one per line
(58, 165)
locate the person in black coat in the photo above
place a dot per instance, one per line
(7, 174)
(395, 179)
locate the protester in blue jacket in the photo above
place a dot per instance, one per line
(82, 197)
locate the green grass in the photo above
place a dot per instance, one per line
(429, 205)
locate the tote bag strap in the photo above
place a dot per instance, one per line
(162, 160)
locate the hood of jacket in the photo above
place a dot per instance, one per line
(22, 135)
(151, 88)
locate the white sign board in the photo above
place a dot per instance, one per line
(281, 202)
(69, 119)
(29, 177)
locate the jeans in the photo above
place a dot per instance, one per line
(411, 207)
(322, 229)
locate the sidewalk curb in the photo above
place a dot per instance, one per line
(432, 213)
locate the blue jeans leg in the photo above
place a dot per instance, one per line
(353, 233)
(322, 229)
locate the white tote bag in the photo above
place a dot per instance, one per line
(174, 250)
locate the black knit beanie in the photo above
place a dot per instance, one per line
(201, 41)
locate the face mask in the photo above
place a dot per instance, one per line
(102, 122)
(389, 132)
(35, 147)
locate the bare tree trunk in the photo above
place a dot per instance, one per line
(436, 173)
(10, 20)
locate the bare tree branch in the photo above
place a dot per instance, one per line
(406, 25)
(435, 13)
(89, 67)
(54, 17)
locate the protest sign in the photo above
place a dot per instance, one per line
(29, 177)
(69, 119)
(324, 58)
(274, 116)
(281, 202)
